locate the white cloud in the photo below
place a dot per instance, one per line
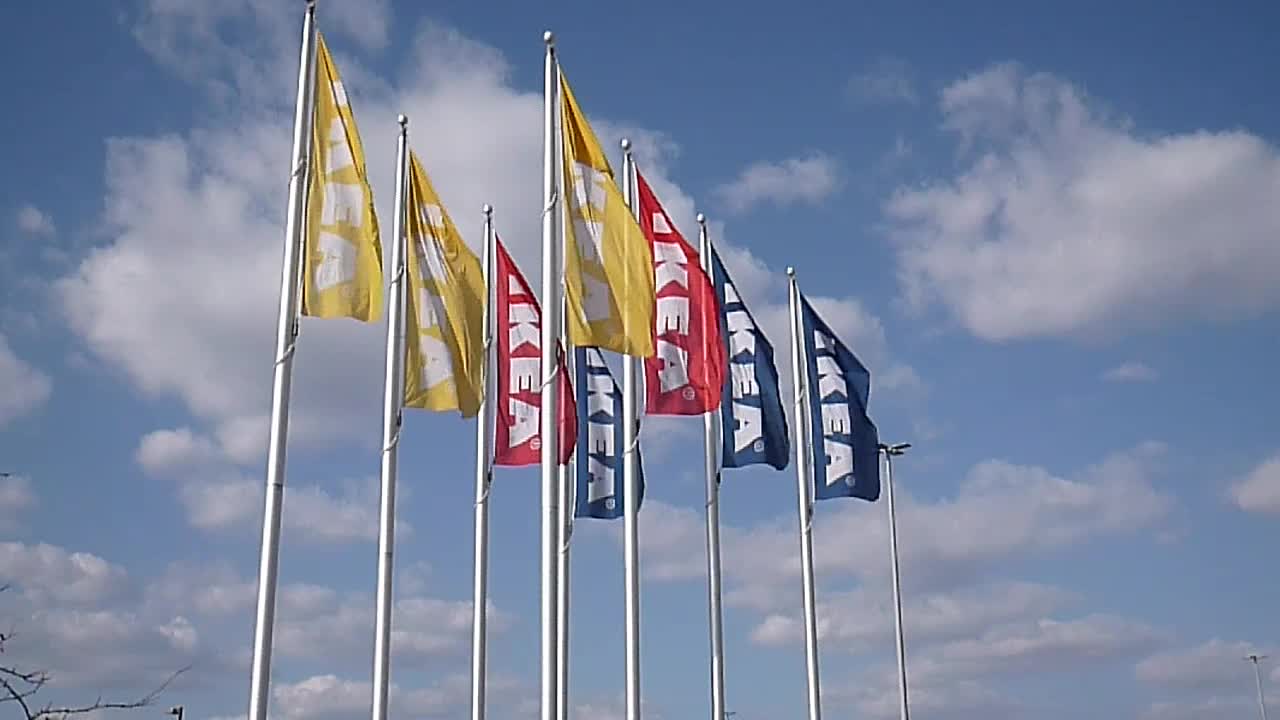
(33, 221)
(1067, 222)
(1131, 372)
(888, 80)
(334, 698)
(45, 573)
(1213, 708)
(1259, 491)
(16, 497)
(1214, 665)
(164, 451)
(26, 388)
(808, 178)
(1050, 642)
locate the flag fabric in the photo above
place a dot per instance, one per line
(600, 483)
(608, 265)
(342, 256)
(686, 375)
(444, 346)
(753, 425)
(518, 321)
(845, 443)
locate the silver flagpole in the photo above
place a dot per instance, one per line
(804, 482)
(286, 335)
(631, 505)
(562, 588)
(1257, 676)
(889, 452)
(484, 478)
(392, 417)
(553, 312)
(711, 447)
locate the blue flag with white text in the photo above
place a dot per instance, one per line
(753, 425)
(846, 444)
(600, 449)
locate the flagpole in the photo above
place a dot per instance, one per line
(392, 417)
(562, 586)
(286, 335)
(803, 481)
(631, 505)
(710, 446)
(553, 311)
(484, 478)
(889, 452)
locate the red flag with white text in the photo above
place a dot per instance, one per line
(518, 321)
(686, 375)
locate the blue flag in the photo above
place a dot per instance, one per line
(846, 444)
(753, 425)
(600, 446)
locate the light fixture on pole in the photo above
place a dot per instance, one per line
(890, 452)
(176, 711)
(1255, 658)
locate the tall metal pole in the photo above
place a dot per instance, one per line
(567, 478)
(392, 417)
(1257, 676)
(803, 482)
(484, 479)
(631, 504)
(286, 335)
(889, 452)
(552, 314)
(711, 445)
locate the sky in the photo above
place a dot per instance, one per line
(1050, 232)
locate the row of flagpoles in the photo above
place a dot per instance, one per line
(466, 333)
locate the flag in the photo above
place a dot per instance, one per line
(686, 376)
(444, 344)
(342, 270)
(518, 320)
(754, 427)
(608, 265)
(600, 447)
(845, 443)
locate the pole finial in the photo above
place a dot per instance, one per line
(702, 219)
(487, 209)
(549, 37)
(626, 144)
(791, 272)
(403, 120)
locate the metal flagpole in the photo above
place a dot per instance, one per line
(562, 587)
(392, 417)
(804, 481)
(553, 311)
(286, 335)
(1257, 676)
(484, 478)
(631, 504)
(890, 451)
(710, 447)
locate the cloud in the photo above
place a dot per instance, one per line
(1055, 643)
(333, 698)
(1066, 222)
(809, 178)
(886, 81)
(164, 451)
(16, 498)
(1215, 665)
(1213, 708)
(33, 221)
(26, 388)
(45, 573)
(1131, 372)
(1259, 491)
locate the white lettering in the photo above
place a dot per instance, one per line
(742, 377)
(675, 366)
(525, 418)
(748, 426)
(343, 203)
(742, 339)
(339, 147)
(672, 313)
(524, 374)
(437, 367)
(839, 460)
(337, 261)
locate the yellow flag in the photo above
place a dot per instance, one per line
(608, 264)
(444, 343)
(342, 266)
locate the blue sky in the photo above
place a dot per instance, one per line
(1050, 234)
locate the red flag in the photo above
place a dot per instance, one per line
(518, 321)
(686, 376)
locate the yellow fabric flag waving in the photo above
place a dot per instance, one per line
(444, 343)
(608, 264)
(342, 270)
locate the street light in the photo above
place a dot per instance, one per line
(890, 452)
(1255, 658)
(176, 711)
